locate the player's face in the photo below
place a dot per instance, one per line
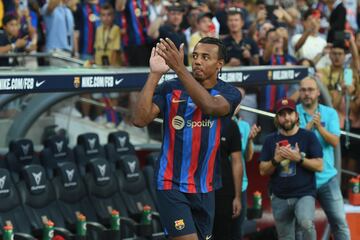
(205, 63)
(309, 92)
(287, 119)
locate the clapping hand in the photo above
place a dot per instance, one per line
(254, 131)
(157, 63)
(317, 120)
(292, 154)
(277, 155)
(173, 57)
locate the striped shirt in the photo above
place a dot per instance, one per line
(190, 156)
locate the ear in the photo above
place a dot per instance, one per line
(220, 64)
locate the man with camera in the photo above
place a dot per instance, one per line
(291, 156)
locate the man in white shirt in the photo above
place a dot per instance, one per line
(309, 44)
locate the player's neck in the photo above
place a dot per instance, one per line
(290, 132)
(209, 83)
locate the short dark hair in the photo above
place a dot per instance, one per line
(215, 41)
(8, 18)
(235, 11)
(107, 6)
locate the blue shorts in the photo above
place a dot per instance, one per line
(186, 213)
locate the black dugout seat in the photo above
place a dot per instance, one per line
(21, 153)
(104, 194)
(118, 145)
(136, 195)
(71, 194)
(133, 187)
(88, 148)
(11, 208)
(55, 152)
(73, 198)
(39, 200)
(149, 174)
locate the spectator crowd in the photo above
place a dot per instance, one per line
(319, 34)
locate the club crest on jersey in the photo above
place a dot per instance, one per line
(179, 224)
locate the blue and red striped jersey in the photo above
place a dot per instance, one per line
(190, 158)
(88, 19)
(135, 20)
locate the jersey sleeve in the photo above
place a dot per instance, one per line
(160, 93)
(233, 96)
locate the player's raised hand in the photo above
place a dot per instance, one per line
(173, 57)
(157, 63)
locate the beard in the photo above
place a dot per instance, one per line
(308, 102)
(288, 126)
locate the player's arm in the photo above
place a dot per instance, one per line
(145, 110)
(210, 105)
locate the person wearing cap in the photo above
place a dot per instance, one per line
(171, 28)
(291, 156)
(324, 122)
(204, 24)
(10, 41)
(242, 51)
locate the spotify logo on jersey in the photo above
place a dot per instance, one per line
(178, 122)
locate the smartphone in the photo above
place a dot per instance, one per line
(283, 143)
(348, 76)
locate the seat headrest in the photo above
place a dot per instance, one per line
(90, 142)
(100, 169)
(69, 174)
(23, 149)
(121, 141)
(5, 183)
(35, 178)
(58, 145)
(130, 166)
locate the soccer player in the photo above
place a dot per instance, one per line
(194, 107)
